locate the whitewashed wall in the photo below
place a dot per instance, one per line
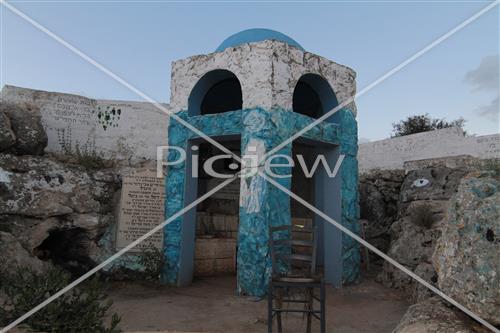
(134, 134)
(392, 153)
(268, 72)
(113, 129)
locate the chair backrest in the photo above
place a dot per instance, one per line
(293, 250)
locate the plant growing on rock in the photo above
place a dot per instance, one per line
(82, 309)
(153, 260)
(85, 155)
(88, 158)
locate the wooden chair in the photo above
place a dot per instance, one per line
(294, 271)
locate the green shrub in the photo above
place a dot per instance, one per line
(153, 261)
(82, 309)
(88, 158)
(422, 216)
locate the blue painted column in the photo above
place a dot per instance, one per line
(351, 256)
(261, 203)
(174, 191)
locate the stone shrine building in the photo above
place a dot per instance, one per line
(256, 90)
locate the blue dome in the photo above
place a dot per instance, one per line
(256, 35)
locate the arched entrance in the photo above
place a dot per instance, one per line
(312, 98)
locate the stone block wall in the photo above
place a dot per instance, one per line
(114, 130)
(214, 256)
(391, 154)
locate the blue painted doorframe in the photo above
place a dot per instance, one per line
(261, 203)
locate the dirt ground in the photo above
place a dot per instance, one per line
(211, 305)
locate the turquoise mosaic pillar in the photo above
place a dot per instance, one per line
(351, 255)
(261, 203)
(174, 191)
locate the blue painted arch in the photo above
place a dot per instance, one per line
(313, 96)
(217, 91)
(256, 35)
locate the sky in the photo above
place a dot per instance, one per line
(138, 40)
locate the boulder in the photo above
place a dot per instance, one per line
(423, 202)
(434, 316)
(467, 255)
(55, 212)
(7, 136)
(40, 187)
(379, 194)
(430, 184)
(412, 246)
(15, 255)
(26, 125)
(93, 224)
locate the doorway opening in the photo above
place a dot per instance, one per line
(217, 218)
(301, 216)
(323, 192)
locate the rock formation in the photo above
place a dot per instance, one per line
(446, 231)
(50, 211)
(21, 130)
(422, 204)
(467, 256)
(379, 195)
(433, 316)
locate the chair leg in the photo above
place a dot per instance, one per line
(279, 305)
(310, 307)
(323, 308)
(270, 308)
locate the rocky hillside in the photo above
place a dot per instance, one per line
(467, 255)
(50, 212)
(445, 229)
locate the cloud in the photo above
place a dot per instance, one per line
(485, 76)
(490, 111)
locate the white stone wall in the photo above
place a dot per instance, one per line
(72, 120)
(268, 72)
(131, 132)
(393, 153)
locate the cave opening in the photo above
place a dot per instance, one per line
(67, 248)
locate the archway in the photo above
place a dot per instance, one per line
(217, 91)
(313, 96)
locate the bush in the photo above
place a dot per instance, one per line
(84, 155)
(82, 309)
(423, 123)
(153, 261)
(88, 158)
(422, 216)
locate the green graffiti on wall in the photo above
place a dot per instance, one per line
(108, 116)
